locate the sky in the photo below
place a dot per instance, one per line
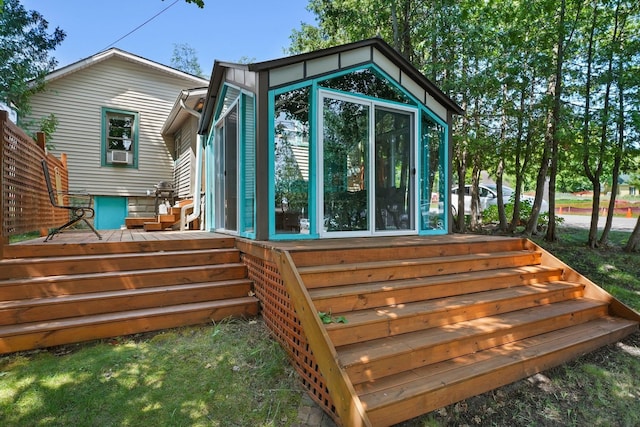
(257, 30)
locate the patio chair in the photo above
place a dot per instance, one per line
(78, 211)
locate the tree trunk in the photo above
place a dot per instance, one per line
(634, 240)
(617, 32)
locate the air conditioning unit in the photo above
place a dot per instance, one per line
(118, 156)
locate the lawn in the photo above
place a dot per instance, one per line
(229, 374)
(234, 374)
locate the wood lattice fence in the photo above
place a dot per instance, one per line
(24, 199)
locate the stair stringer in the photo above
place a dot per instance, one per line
(347, 403)
(591, 289)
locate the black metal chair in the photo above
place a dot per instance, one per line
(78, 212)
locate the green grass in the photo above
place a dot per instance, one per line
(229, 374)
(24, 236)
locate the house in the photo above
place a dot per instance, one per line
(112, 110)
(342, 142)
(326, 180)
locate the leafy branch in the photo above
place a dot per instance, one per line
(327, 318)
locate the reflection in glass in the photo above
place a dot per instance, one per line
(394, 187)
(345, 136)
(432, 185)
(120, 131)
(367, 82)
(292, 156)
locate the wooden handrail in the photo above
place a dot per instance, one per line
(346, 401)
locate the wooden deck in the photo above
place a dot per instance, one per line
(428, 321)
(126, 235)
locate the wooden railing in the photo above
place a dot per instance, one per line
(24, 201)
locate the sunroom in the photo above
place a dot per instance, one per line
(350, 141)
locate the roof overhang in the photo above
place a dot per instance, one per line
(188, 103)
(220, 68)
(126, 56)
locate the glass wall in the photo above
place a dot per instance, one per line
(356, 154)
(292, 162)
(433, 176)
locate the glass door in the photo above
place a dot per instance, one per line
(226, 209)
(367, 166)
(345, 157)
(394, 171)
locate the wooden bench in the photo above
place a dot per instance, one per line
(78, 212)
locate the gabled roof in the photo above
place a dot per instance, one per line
(219, 69)
(118, 53)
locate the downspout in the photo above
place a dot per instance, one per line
(198, 179)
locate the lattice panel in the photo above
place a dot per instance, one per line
(25, 202)
(280, 316)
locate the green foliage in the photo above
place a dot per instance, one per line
(499, 61)
(185, 59)
(490, 214)
(199, 3)
(24, 56)
(46, 125)
(327, 318)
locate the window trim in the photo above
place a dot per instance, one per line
(104, 137)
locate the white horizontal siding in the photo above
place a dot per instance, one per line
(77, 101)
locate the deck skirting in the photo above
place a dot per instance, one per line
(279, 315)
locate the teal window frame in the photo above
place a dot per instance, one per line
(313, 232)
(247, 139)
(316, 84)
(246, 104)
(104, 145)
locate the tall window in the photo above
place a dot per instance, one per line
(120, 138)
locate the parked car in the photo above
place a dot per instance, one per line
(489, 196)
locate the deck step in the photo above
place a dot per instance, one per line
(403, 318)
(60, 307)
(43, 250)
(362, 296)
(64, 265)
(375, 359)
(83, 292)
(396, 398)
(49, 286)
(379, 250)
(45, 334)
(368, 272)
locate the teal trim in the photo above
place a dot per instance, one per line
(284, 89)
(104, 137)
(248, 170)
(110, 212)
(209, 195)
(271, 111)
(313, 160)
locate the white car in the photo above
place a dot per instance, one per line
(488, 197)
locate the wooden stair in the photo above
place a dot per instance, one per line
(162, 222)
(111, 289)
(417, 327)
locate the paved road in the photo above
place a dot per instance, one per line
(619, 223)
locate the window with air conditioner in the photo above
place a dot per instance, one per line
(120, 137)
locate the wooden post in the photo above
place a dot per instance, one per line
(4, 239)
(41, 140)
